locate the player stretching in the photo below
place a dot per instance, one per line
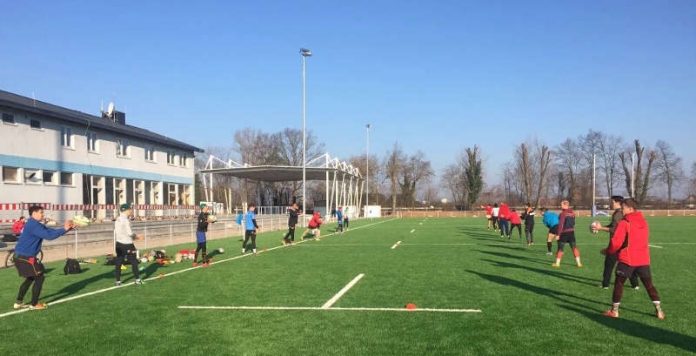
(566, 234)
(551, 222)
(489, 215)
(313, 226)
(611, 259)
(630, 241)
(201, 239)
(528, 217)
(503, 220)
(251, 227)
(293, 214)
(494, 216)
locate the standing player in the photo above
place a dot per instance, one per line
(634, 257)
(251, 227)
(551, 222)
(125, 249)
(201, 239)
(28, 246)
(495, 211)
(611, 259)
(528, 217)
(293, 214)
(346, 220)
(566, 234)
(339, 219)
(489, 215)
(515, 222)
(313, 226)
(503, 222)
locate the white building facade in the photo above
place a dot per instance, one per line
(53, 155)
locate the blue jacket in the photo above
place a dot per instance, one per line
(29, 243)
(250, 221)
(339, 215)
(550, 219)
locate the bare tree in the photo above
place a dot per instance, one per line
(532, 161)
(453, 180)
(376, 174)
(415, 170)
(569, 158)
(692, 185)
(641, 177)
(473, 171)
(668, 167)
(393, 166)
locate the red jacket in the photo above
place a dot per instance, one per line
(315, 222)
(514, 218)
(630, 240)
(17, 227)
(504, 211)
(489, 210)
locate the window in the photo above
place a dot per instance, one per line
(171, 158)
(8, 118)
(92, 142)
(66, 137)
(35, 124)
(150, 154)
(66, 178)
(182, 161)
(10, 174)
(49, 177)
(122, 148)
(32, 176)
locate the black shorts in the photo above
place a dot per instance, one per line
(624, 270)
(123, 250)
(28, 266)
(567, 237)
(554, 230)
(250, 233)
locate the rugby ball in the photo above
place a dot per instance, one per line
(80, 220)
(221, 250)
(594, 227)
(212, 218)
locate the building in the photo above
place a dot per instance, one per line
(53, 155)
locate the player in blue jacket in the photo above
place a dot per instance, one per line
(551, 222)
(28, 246)
(339, 219)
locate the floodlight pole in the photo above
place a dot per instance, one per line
(594, 185)
(367, 165)
(304, 53)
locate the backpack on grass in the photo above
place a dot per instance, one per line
(72, 266)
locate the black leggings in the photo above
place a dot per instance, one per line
(127, 252)
(643, 272)
(202, 246)
(609, 264)
(290, 235)
(529, 232)
(519, 230)
(250, 234)
(35, 292)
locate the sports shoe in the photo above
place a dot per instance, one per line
(285, 243)
(555, 265)
(612, 313)
(117, 284)
(243, 251)
(636, 288)
(549, 254)
(38, 306)
(20, 306)
(139, 282)
(579, 265)
(603, 287)
(195, 264)
(660, 314)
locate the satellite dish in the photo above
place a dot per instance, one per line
(110, 109)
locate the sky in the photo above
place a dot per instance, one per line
(436, 76)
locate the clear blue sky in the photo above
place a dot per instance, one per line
(436, 76)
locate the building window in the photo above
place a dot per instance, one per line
(49, 177)
(92, 142)
(32, 176)
(171, 158)
(10, 174)
(66, 178)
(150, 154)
(35, 124)
(66, 137)
(122, 148)
(8, 118)
(182, 161)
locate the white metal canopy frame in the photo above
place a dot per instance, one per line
(344, 183)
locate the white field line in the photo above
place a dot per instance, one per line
(396, 245)
(414, 230)
(343, 291)
(428, 310)
(655, 246)
(79, 296)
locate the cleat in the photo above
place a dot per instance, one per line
(579, 265)
(195, 264)
(117, 284)
(549, 254)
(139, 282)
(660, 314)
(39, 306)
(636, 288)
(20, 306)
(611, 313)
(555, 265)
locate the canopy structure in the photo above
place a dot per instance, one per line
(344, 183)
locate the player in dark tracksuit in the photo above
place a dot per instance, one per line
(528, 217)
(201, 240)
(251, 227)
(611, 259)
(566, 234)
(339, 219)
(293, 214)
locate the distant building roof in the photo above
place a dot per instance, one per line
(39, 107)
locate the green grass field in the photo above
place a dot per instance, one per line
(527, 307)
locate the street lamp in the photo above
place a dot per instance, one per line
(304, 52)
(367, 165)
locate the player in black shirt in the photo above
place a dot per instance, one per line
(293, 212)
(201, 231)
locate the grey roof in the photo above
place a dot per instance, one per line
(39, 107)
(276, 173)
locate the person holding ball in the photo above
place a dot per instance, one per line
(611, 259)
(125, 249)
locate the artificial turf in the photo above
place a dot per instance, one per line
(526, 306)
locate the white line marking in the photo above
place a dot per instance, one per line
(414, 230)
(343, 291)
(396, 245)
(430, 310)
(655, 246)
(59, 301)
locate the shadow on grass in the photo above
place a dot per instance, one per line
(73, 288)
(640, 330)
(545, 272)
(516, 257)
